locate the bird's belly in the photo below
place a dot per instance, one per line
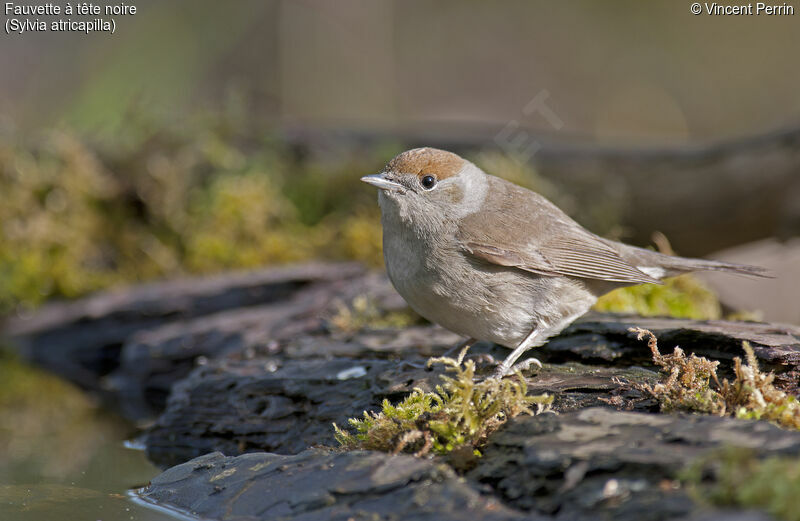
(507, 327)
(493, 310)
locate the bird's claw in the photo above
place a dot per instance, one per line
(505, 370)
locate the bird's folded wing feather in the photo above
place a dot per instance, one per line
(539, 238)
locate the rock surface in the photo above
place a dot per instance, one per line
(585, 465)
(610, 464)
(317, 484)
(267, 361)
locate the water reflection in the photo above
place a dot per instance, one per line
(61, 456)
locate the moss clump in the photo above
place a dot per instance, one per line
(460, 414)
(363, 313)
(682, 297)
(688, 383)
(752, 396)
(692, 385)
(736, 477)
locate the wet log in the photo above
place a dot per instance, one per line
(586, 465)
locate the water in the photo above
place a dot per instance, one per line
(64, 458)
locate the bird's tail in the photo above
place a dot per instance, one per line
(659, 265)
(677, 265)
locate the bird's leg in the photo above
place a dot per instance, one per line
(508, 364)
(459, 347)
(537, 337)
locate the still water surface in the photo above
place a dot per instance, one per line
(62, 457)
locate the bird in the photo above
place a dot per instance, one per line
(493, 261)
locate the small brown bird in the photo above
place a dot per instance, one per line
(493, 261)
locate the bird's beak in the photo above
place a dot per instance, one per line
(383, 183)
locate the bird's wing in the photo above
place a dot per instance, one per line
(524, 230)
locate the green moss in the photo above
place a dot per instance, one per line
(684, 296)
(460, 414)
(691, 384)
(736, 477)
(164, 200)
(752, 396)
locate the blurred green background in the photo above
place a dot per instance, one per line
(171, 146)
(205, 136)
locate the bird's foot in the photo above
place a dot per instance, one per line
(507, 369)
(485, 358)
(461, 347)
(412, 365)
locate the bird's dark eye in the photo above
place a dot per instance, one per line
(428, 182)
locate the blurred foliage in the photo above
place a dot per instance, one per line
(737, 477)
(364, 313)
(168, 199)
